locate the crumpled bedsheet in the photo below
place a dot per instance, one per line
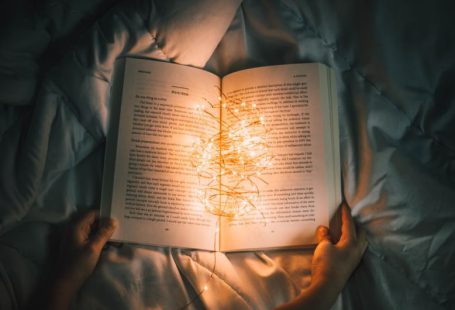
(395, 67)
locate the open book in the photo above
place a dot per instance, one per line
(149, 183)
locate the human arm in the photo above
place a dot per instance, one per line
(332, 265)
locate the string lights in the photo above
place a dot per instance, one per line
(230, 163)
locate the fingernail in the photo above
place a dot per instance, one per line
(113, 223)
(108, 223)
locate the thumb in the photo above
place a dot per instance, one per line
(104, 232)
(322, 233)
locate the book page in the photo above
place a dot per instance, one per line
(303, 182)
(153, 186)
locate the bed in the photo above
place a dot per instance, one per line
(395, 69)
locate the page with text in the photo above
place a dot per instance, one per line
(302, 185)
(153, 191)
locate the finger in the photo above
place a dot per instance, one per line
(82, 226)
(104, 232)
(322, 233)
(348, 233)
(362, 241)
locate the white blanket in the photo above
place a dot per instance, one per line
(395, 69)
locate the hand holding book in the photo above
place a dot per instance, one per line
(80, 248)
(332, 265)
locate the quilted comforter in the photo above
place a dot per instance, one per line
(395, 68)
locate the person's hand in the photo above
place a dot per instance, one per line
(81, 247)
(80, 250)
(332, 264)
